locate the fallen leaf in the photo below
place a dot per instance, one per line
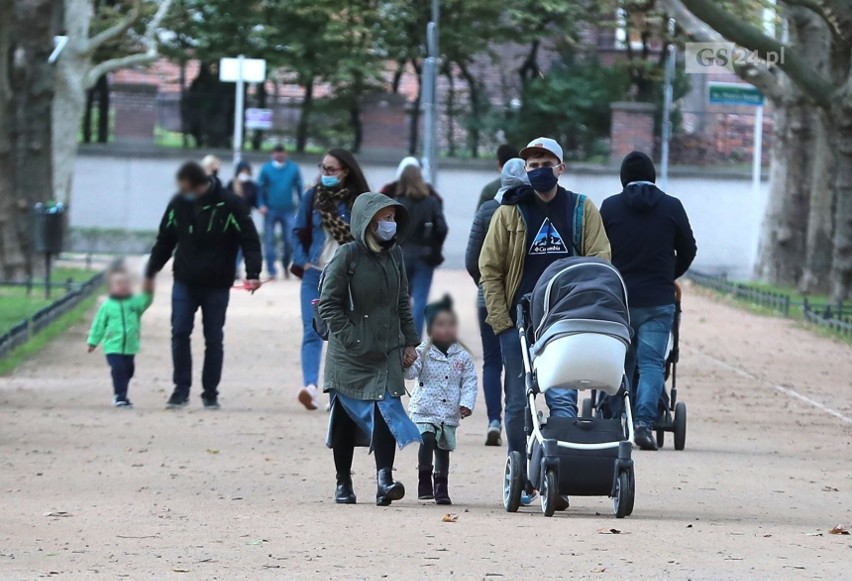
(58, 513)
(257, 542)
(609, 532)
(817, 534)
(450, 517)
(212, 451)
(601, 570)
(180, 570)
(829, 489)
(839, 530)
(689, 526)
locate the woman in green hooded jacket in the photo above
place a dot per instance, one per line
(364, 301)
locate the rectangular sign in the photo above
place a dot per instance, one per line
(734, 94)
(254, 70)
(258, 118)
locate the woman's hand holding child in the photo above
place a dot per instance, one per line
(465, 412)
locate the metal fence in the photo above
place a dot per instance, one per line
(835, 317)
(776, 301)
(23, 331)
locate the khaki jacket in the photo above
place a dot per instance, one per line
(501, 262)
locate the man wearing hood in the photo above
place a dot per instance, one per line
(534, 226)
(652, 245)
(512, 175)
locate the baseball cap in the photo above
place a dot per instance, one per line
(542, 144)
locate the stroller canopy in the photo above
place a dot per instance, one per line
(588, 292)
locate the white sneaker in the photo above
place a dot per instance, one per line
(308, 397)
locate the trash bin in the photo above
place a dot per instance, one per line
(48, 228)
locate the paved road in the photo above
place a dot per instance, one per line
(246, 492)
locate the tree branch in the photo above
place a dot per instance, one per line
(735, 30)
(838, 18)
(697, 30)
(118, 29)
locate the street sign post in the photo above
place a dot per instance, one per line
(241, 70)
(743, 95)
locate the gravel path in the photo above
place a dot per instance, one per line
(89, 491)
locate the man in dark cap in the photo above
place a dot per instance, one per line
(652, 245)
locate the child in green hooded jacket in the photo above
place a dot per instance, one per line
(117, 325)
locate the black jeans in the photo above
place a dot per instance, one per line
(122, 368)
(344, 431)
(213, 302)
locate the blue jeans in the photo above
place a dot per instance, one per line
(561, 402)
(311, 342)
(286, 219)
(492, 369)
(419, 282)
(213, 302)
(651, 328)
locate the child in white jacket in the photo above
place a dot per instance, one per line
(445, 393)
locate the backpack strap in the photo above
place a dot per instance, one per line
(579, 209)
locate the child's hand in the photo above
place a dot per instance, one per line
(91, 348)
(465, 412)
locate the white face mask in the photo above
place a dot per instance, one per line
(244, 177)
(385, 231)
(278, 164)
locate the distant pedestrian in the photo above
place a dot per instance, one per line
(444, 394)
(321, 227)
(423, 246)
(204, 226)
(364, 302)
(504, 153)
(513, 176)
(390, 188)
(211, 165)
(652, 245)
(243, 186)
(279, 191)
(117, 324)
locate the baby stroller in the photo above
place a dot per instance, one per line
(574, 330)
(672, 417)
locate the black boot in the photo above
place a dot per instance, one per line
(387, 490)
(424, 483)
(344, 494)
(442, 492)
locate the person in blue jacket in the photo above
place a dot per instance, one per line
(322, 226)
(279, 188)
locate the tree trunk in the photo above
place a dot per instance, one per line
(475, 110)
(820, 228)
(782, 245)
(12, 257)
(305, 118)
(87, 116)
(841, 140)
(257, 138)
(414, 118)
(451, 113)
(68, 106)
(102, 88)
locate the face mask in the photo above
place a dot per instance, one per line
(188, 196)
(542, 179)
(386, 231)
(278, 164)
(244, 177)
(329, 181)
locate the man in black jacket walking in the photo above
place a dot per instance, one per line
(204, 226)
(652, 245)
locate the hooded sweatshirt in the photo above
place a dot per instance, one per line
(652, 242)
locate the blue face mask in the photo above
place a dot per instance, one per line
(189, 197)
(329, 181)
(542, 179)
(386, 231)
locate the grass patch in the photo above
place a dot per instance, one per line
(15, 305)
(38, 342)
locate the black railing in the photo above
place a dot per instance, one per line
(776, 301)
(836, 317)
(21, 333)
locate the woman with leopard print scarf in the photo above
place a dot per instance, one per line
(322, 226)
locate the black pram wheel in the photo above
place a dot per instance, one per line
(513, 482)
(549, 492)
(622, 502)
(586, 411)
(680, 426)
(661, 438)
